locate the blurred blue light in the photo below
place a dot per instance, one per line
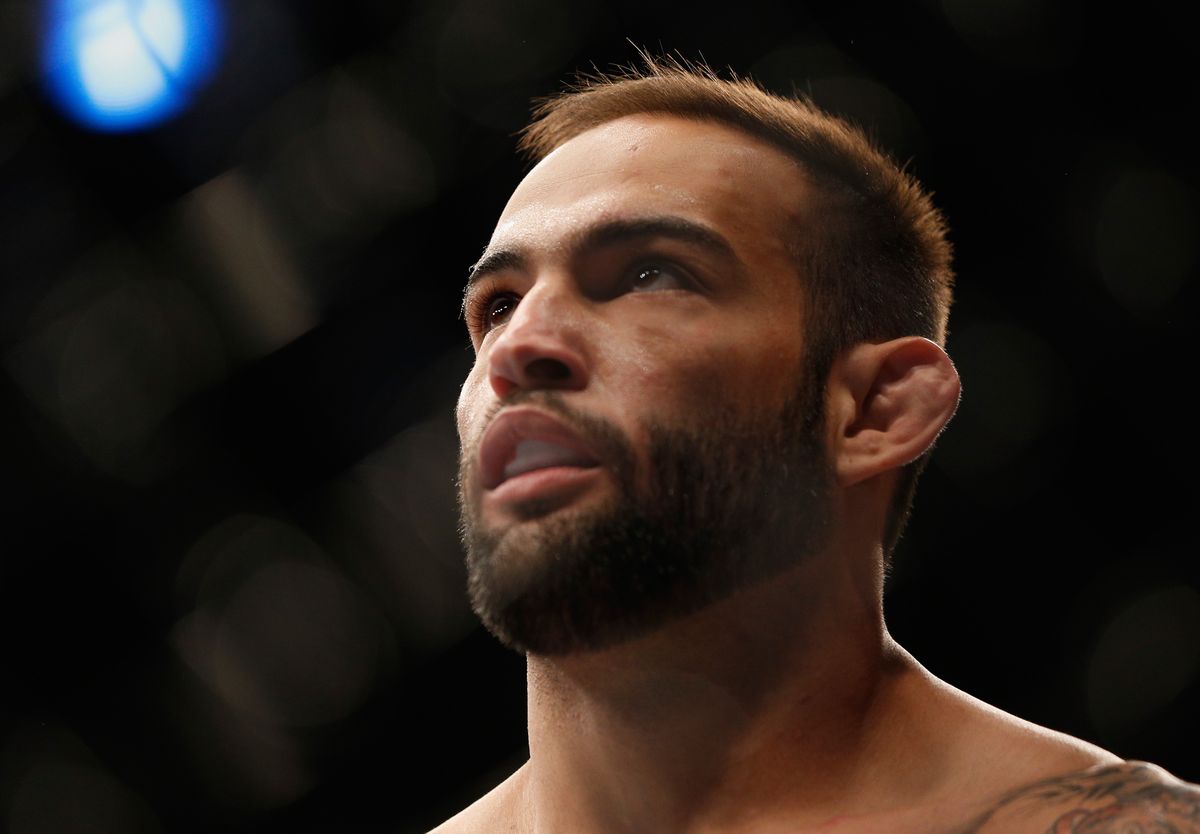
(118, 65)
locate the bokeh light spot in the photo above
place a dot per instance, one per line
(278, 632)
(1146, 238)
(397, 516)
(51, 782)
(1145, 657)
(117, 65)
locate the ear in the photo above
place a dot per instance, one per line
(888, 403)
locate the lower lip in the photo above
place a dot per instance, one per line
(551, 483)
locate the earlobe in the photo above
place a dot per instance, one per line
(896, 398)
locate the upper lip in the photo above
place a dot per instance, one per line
(500, 439)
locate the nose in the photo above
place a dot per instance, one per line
(541, 345)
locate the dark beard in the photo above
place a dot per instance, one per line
(732, 501)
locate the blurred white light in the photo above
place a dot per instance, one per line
(118, 65)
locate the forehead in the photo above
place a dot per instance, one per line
(711, 173)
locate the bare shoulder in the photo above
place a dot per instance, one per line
(1125, 798)
(1029, 779)
(493, 813)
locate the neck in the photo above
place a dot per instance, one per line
(769, 702)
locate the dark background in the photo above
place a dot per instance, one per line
(231, 596)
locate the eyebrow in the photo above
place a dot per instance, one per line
(610, 233)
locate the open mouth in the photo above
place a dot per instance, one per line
(525, 440)
(530, 455)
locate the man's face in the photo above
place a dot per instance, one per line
(639, 434)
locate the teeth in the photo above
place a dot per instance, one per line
(538, 454)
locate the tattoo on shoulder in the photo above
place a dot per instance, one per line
(1129, 798)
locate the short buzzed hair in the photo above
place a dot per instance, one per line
(879, 265)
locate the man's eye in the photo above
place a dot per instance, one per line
(499, 308)
(658, 277)
(489, 311)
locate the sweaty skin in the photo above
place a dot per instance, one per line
(786, 708)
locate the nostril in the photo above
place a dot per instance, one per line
(547, 370)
